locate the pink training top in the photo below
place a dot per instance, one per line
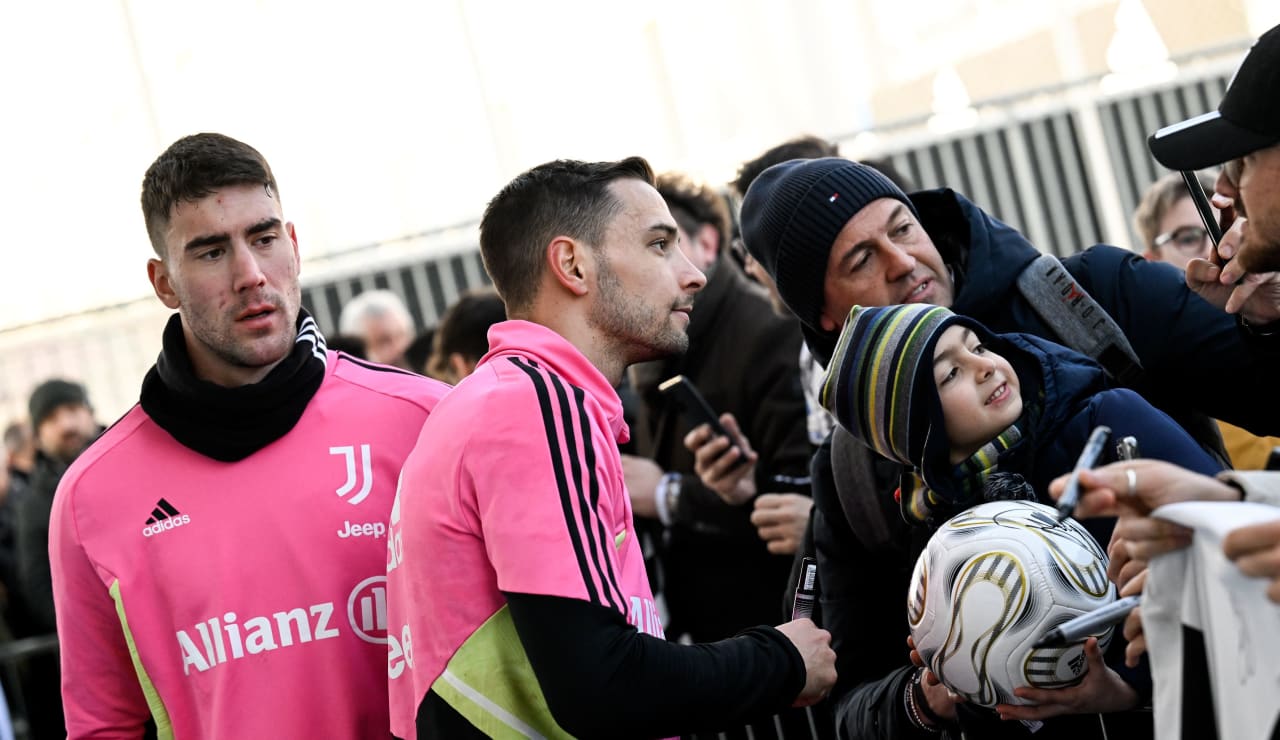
(235, 600)
(515, 485)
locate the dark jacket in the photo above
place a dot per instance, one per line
(31, 543)
(718, 576)
(866, 551)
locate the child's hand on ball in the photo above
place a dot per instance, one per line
(1101, 690)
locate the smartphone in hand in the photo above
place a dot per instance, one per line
(697, 409)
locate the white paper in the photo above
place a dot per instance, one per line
(1201, 588)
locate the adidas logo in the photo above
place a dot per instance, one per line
(164, 517)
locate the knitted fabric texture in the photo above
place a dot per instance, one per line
(878, 362)
(792, 214)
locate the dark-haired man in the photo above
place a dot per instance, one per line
(518, 595)
(219, 553)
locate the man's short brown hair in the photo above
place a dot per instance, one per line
(561, 198)
(194, 167)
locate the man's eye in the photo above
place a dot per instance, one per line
(860, 260)
(212, 254)
(266, 240)
(902, 229)
(661, 244)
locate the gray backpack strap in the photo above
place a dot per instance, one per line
(1077, 319)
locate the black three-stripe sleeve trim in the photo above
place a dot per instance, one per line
(579, 397)
(557, 464)
(597, 541)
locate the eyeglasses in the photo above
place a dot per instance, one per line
(1188, 239)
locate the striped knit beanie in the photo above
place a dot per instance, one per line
(792, 214)
(879, 383)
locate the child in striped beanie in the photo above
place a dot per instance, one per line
(954, 403)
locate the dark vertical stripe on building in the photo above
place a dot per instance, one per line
(553, 445)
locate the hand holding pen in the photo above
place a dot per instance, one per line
(1089, 456)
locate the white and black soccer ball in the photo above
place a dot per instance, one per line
(991, 582)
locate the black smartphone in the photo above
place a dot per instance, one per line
(1203, 207)
(696, 407)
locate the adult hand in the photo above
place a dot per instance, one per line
(1253, 295)
(715, 457)
(780, 520)
(1122, 568)
(1107, 491)
(642, 476)
(1255, 549)
(1130, 489)
(814, 644)
(1132, 628)
(1246, 248)
(1248, 283)
(1101, 690)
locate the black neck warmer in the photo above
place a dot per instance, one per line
(229, 424)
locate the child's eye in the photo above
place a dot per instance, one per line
(980, 349)
(948, 377)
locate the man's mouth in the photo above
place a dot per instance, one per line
(256, 311)
(918, 291)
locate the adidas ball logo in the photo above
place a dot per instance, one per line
(163, 518)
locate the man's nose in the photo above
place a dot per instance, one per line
(246, 270)
(898, 261)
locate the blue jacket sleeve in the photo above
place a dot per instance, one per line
(1194, 355)
(1159, 436)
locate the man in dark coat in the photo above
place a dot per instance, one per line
(64, 426)
(835, 234)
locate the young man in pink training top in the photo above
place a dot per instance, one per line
(518, 596)
(218, 554)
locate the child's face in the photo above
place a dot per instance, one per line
(978, 388)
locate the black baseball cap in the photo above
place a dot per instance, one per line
(1248, 119)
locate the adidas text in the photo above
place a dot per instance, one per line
(167, 524)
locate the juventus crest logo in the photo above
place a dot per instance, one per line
(364, 480)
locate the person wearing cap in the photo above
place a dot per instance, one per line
(834, 234)
(1242, 135)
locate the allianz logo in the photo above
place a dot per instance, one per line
(222, 639)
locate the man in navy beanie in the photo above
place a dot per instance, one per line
(834, 234)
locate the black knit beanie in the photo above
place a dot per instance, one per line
(51, 394)
(792, 214)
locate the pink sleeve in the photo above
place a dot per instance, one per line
(101, 694)
(545, 496)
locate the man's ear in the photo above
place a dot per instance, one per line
(293, 237)
(569, 262)
(158, 274)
